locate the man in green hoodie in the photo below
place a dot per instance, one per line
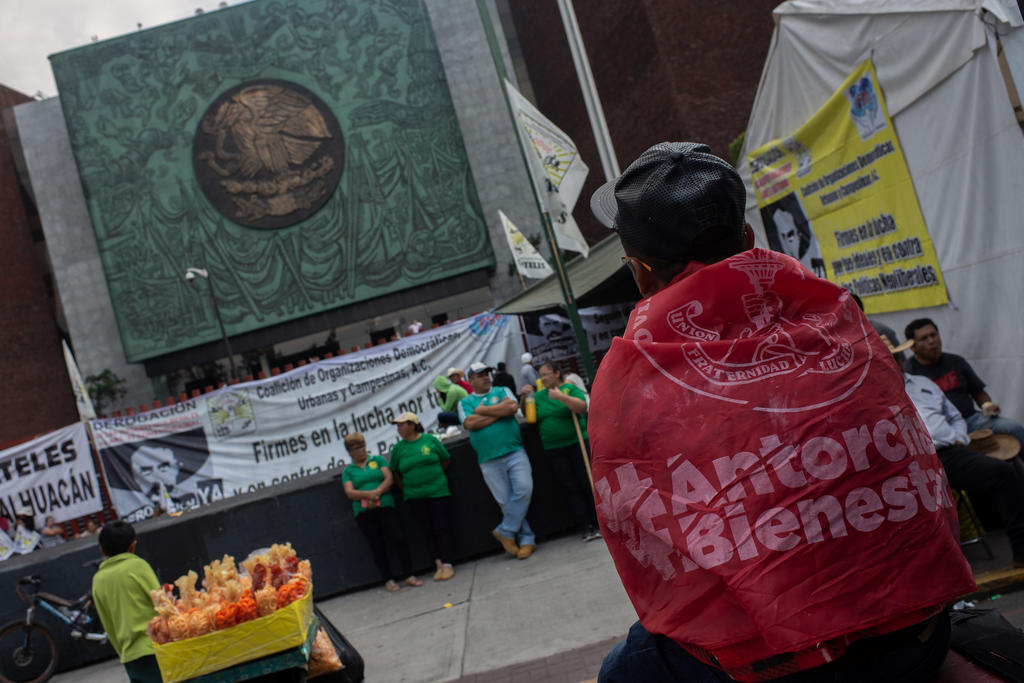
(120, 591)
(451, 394)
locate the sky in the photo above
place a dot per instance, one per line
(31, 30)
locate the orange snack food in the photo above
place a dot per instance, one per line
(246, 608)
(292, 591)
(227, 615)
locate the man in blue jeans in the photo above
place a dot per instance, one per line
(489, 416)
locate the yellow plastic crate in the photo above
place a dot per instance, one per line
(283, 629)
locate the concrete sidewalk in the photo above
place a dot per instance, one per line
(548, 618)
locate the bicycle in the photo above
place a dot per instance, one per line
(28, 651)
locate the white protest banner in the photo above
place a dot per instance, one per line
(82, 400)
(529, 262)
(6, 545)
(52, 474)
(555, 166)
(254, 435)
(549, 336)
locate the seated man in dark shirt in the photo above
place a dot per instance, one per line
(957, 379)
(998, 480)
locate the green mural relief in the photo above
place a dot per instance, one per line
(268, 154)
(305, 152)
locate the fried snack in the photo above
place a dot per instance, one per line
(207, 619)
(323, 658)
(226, 616)
(233, 589)
(278, 553)
(187, 589)
(246, 608)
(305, 569)
(163, 601)
(250, 564)
(219, 573)
(158, 631)
(292, 591)
(259, 573)
(178, 626)
(266, 600)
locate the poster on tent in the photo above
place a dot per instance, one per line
(549, 336)
(250, 436)
(837, 196)
(52, 474)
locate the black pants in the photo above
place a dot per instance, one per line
(913, 655)
(570, 473)
(143, 670)
(435, 516)
(447, 419)
(383, 529)
(1000, 480)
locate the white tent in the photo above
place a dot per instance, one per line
(936, 62)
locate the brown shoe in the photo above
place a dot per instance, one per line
(438, 573)
(446, 572)
(507, 543)
(525, 551)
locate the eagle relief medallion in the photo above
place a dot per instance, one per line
(268, 154)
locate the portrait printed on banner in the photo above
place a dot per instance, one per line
(789, 231)
(549, 336)
(171, 473)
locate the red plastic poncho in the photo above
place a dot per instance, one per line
(763, 482)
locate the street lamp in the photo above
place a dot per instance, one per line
(190, 275)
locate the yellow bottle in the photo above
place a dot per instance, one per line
(531, 409)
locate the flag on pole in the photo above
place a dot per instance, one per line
(528, 260)
(555, 166)
(82, 401)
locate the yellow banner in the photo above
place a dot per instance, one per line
(837, 196)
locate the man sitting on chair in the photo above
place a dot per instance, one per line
(967, 469)
(957, 379)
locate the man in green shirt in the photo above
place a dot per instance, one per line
(120, 591)
(489, 416)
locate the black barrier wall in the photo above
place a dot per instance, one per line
(312, 514)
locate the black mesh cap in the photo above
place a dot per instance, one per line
(673, 200)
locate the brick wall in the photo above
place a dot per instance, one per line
(664, 71)
(35, 394)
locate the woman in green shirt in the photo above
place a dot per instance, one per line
(367, 482)
(419, 462)
(557, 403)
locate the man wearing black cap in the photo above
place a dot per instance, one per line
(763, 483)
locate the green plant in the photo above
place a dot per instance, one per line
(735, 147)
(105, 389)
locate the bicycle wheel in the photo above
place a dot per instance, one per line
(27, 655)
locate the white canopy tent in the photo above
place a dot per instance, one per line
(936, 62)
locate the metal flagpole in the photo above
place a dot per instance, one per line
(545, 218)
(609, 164)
